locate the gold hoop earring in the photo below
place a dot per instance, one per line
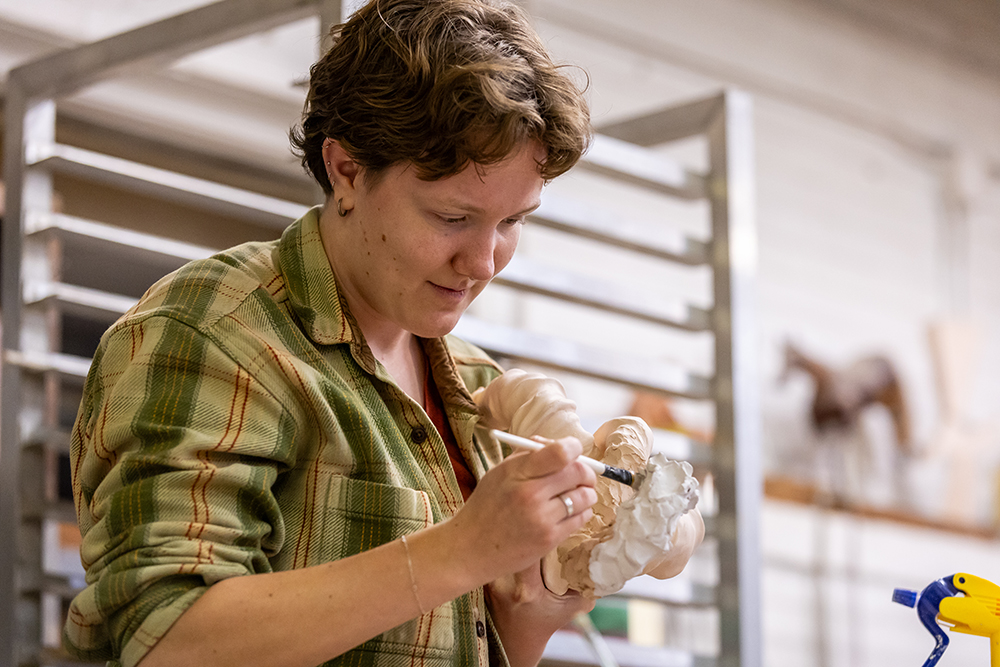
(340, 208)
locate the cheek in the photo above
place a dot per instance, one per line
(504, 250)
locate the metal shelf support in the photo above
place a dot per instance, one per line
(737, 458)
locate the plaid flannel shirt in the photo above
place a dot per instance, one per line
(235, 422)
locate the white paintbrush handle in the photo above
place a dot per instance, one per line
(525, 443)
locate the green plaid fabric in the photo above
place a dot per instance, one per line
(235, 422)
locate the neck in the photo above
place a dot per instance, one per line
(385, 339)
(398, 350)
(405, 364)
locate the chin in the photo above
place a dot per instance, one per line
(441, 326)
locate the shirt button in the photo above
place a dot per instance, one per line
(418, 435)
(480, 629)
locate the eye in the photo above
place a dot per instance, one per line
(514, 221)
(453, 219)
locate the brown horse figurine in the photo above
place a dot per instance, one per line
(841, 395)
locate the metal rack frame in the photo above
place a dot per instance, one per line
(725, 122)
(34, 372)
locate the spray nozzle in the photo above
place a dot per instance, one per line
(905, 596)
(928, 605)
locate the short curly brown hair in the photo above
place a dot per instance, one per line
(440, 84)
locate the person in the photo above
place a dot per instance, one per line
(275, 460)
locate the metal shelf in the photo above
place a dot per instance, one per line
(138, 246)
(58, 586)
(570, 648)
(602, 364)
(680, 447)
(52, 439)
(167, 185)
(676, 592)
(634, 164)
(65, 278)
(106, 258)
(66, 366)
(62, 511)
(583, 290)
(80, 301)
(604, 227)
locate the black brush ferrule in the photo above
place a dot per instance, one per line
(618, 475)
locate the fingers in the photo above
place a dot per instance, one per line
(556, 455)
(574, 505)
(569, 483)
(520, 510)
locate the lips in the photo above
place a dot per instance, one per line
(453, 290)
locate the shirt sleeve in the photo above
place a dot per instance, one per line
(175, 452)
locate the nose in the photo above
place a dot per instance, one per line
(476, 258)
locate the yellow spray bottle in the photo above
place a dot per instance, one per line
(965, 603)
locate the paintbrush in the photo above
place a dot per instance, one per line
(617, 474)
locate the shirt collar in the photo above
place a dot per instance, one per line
(449, 383)
(312, 289)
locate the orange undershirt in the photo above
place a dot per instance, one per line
(435, 410)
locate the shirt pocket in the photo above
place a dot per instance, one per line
(352, 516)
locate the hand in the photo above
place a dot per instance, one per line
(516, 514)
(526, 613)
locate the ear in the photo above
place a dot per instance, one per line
(342, 171)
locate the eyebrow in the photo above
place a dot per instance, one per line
(472, 208)
(529, 210)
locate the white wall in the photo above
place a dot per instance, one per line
(858, 137)
(878, 190)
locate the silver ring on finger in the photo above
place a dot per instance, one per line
(568, 502)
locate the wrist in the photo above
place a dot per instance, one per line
(523, 643)
(527, 614)
(413, 579)
(439, 565)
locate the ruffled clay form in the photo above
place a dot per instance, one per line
(528, 404)
(645, 523)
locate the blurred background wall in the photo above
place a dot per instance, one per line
(877, 130)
